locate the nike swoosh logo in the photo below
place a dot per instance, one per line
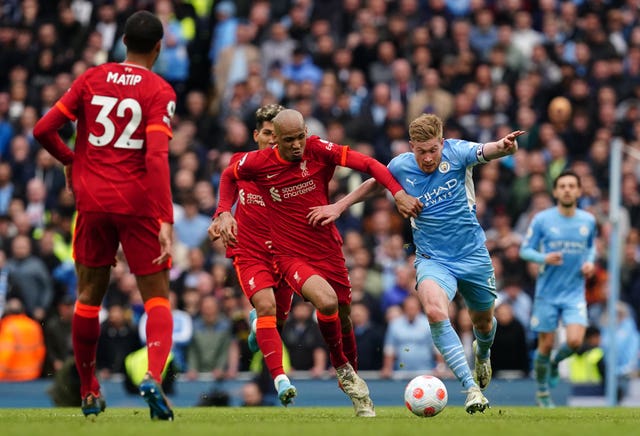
(270, 176)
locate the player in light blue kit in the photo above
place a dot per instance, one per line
(562, 240)
(450, 249)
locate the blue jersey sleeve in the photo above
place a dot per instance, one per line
(529, 250)
(464, 151)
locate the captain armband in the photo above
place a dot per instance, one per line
(480, 154)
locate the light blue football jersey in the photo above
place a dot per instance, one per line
(447, 228)
(574, 237)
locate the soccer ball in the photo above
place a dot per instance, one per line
(425, 395)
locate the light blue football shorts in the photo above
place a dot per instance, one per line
(472, 276)
(546, 314)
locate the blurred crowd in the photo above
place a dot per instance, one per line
(567, 72)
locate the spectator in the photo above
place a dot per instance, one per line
(22, 349)
(191, 229)
(209, 348)
(302, 338)
(510, 353)
(29, 278)
(408, 345)
(118, 338)
(369, 338)
(57, 336)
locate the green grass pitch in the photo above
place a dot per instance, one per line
(308, 421)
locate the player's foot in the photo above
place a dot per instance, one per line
(252, 342)
(153, 395)
(482, 370)
(286, 392)
(93, 404)
(476, 401)
(356, 388)
(543, 399)
(554, 375)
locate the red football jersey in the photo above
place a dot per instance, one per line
(291, 188)
(254, 237)
(115, 105)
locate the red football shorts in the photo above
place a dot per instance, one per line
(98, 235)
(257, 274)
(297, 271)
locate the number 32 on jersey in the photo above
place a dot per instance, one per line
(123, 108)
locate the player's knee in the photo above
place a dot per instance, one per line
(436, 314)
(574, 343)
(327, 305)
(265, 307)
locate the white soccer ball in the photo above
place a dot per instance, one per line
(425, 395)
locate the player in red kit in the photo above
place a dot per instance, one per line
(293, 177)
(119, 174)
(253, 261)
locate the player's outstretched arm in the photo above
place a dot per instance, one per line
(323, 215)
(224, 224)
(408, 206)
(503, 147)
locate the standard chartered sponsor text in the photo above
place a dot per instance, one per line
(299, 189)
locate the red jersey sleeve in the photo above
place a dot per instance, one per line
(343, 156)
(46, 133)
(46, 129)
(366, 164)
(158, 132)
(228, 185)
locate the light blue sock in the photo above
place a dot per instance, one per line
(541, 368)
(563, 352)
(485, 340)
(448, 343)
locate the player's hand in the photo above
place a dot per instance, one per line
(166, 239)
(228, 228)
(554, 258)
(214, 230)
(323, 215)
(67, 178)
(588, 268)
(509, 143)
(408, 205)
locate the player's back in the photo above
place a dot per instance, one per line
(116, 105)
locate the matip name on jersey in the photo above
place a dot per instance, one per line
(123, 79)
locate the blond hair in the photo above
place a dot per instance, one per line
(425, 127)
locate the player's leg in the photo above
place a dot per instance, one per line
(154, 289)
(436, 288)
(484, 329)
(476, 283)
(270, 343)
(541, 367)
(574, 317)
(139, 238)
(93, 270)
(544, 321)
(85, 331)
(320, 293)
(348, 335)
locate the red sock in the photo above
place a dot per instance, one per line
(85, 331)
(270, 344)
(159, 330)
(330, 329)
(349, 348)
